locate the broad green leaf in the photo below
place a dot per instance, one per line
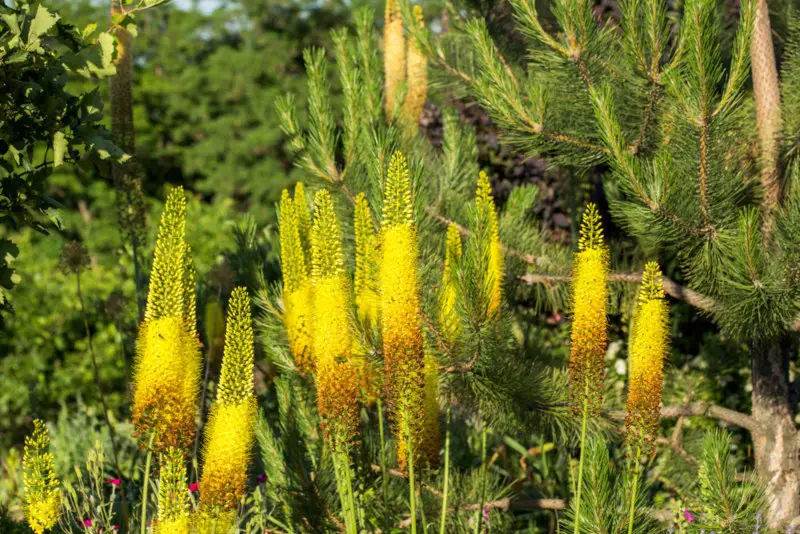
(41, 23)
(95, 60)
(59, 148)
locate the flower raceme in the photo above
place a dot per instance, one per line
(401, 312)
(648, 344)
(42, 496)
(589, 295)
(394, 56)
(173, 497)
(448, 298)
(337, 368)
(487, 218)
(417, 78)
(168, 361)
(296, 266)
(366, 275)
(230, 435)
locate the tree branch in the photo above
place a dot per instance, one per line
(702, 409)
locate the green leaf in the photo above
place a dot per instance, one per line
(41, 23)
(89, 29)
(59, 148)
(95, 60)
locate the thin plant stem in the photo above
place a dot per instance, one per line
(383, 467)
(443, 521)
(146, 488)
(634, 488)
(580, 462)
(479, 517)
(111, 433)
(411, 484)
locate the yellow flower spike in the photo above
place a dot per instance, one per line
(231, 434)
(401, 311)
(487, 213)
(366, 275)
(417, 77)
(173, 498)
(42, 496)
(394, 55)
(448, 298)
(303, 217)
(589, 296)
(337, 370)
(297, 291)
(168, 361)
(649, 340)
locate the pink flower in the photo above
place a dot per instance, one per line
(687, 515)
(115, 527)
(114, 481)
(261, 478)
(87, 522)
(194, 486)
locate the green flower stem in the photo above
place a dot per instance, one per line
(634, 488)
(580, 462)
(443, 521)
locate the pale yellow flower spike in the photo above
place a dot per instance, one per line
(488, 213)
(42, 496)
(296, 269)
(648, 344)
(401, 311)
(230, 435)
(448, 298)
(337, 370)
(417, 70)
(589, 296)
(394, 56)
(366, 275)
(173, 496)
(430, 439)
(168, 359)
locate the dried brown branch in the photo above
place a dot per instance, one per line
(702, 409)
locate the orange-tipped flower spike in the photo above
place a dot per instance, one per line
(487, 214)
(401, 311)
(449, 296)
(588, 336)
(296, 267)
(337, 368)
(42, 496)
(417, 77)
(394, 56)
(168, 360)
(230, 435)
(648, 344)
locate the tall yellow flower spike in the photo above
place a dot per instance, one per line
(168, 360)
(230, 435)
(296, 268)
(337, 369)
(394, 56)
(417, 77)
(401, 312)
(487, 212)
(648, 343)
(448, 298)
(42, 496)
(589, 296)
(173, 498)
(367, 268)
(430, 432)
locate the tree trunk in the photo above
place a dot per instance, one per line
(776, 448)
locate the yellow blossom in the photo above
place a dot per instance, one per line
(589, 295)
(417, 77)
(394, 56)
(296, 268)
(430, 439)
(648, 344)
(42, 496)
(230, 434)
(337, 368)
(449, 294)
(367, 255)
(173, 497)
(168, 360)
(487, 215)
